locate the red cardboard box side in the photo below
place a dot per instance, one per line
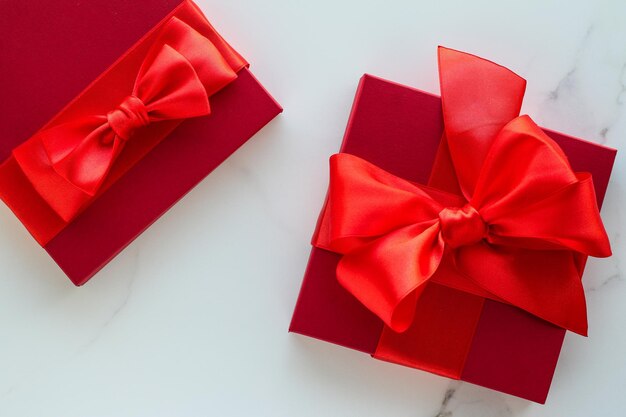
(162, 177)
(399, 129)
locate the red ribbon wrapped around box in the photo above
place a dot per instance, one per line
(503, 218)
(171, 75)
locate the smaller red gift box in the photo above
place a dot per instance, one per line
(99, 48)
(485, 342)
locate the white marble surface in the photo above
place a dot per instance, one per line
(192, 318)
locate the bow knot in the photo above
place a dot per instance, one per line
(128, 116)
(462, 226)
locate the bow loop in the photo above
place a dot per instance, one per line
(386, 203)
(170, 87)
(540, 203)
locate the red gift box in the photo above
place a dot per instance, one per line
(53, 51)
(485, 342)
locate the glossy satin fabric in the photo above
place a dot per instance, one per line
(67, 163)
(514, 226)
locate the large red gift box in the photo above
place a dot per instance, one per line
(53, 50)
(399, 129)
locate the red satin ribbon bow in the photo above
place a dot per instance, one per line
(515, 229)
(68, 163)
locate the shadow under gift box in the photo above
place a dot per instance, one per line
(399, 129)
(52, 50)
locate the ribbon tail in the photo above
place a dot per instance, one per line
(478, 97)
